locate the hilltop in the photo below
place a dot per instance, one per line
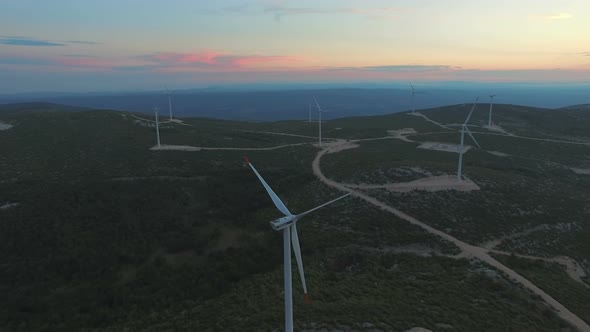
(584, 107)
(276, 103)
(33, 107)
(100, 231)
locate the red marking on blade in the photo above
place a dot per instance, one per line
(246, 159)
(306, 298)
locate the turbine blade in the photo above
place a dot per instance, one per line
(318, 105)
(297, 251)
(471, 135)
(471, 112)
(321, 206)
(275, 199)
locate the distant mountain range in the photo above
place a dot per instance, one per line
(273, 105)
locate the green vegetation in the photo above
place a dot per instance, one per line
(552, 279)
(530, 187)
(552, 153)
(391, 292)
(521, 120)
(109, 235)
(383, 161)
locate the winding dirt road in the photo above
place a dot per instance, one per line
(467, 249)
(191, 148)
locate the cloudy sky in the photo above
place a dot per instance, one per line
(87, 45)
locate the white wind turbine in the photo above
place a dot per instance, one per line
(414, 92)
(320, 111)
(491, 105)
(288, 224)
(169, 92)
(156, 110)
(465, 129)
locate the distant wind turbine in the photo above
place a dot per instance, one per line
(320, 111)
(156, 110)
(169, 92)
(288, 224)
(414, 92)
(491, 105)
(465, 129)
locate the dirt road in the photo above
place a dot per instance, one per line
(467, 249)
(190, 148)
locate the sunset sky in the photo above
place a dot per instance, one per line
(87, 45)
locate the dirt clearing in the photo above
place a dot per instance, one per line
(445, 147)
(432, 183)
(5, 126)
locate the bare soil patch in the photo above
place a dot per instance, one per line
(445, 147)
(418, 329)
(5, 126)
(401, 132)
(431, 183)
(498, 153)
(8, 206)
(342, 147)
(497, 129)
(176, 148)
(581, 171)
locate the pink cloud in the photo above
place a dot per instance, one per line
(205, 57)
(211, 60)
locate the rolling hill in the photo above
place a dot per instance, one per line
(99, 231)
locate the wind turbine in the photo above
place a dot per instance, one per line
(169, 101)
(465, 129)
(491, 104)
(414, 92)
(288, 224)
(309, 113)
(320, 110)
(157, 126)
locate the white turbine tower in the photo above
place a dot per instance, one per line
(157, 127)
(491, 105)
(169, 101)
(465, 129)
(320, 110)
(288, 224)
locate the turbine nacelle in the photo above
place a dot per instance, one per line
(283, 222)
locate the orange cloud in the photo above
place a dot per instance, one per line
(555, 17)
(206, 57)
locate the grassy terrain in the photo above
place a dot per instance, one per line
(572, 155)
(521, 120)
(530, 187)
(350, 290)
(349, 128)
(109, 235)
(552, 279)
